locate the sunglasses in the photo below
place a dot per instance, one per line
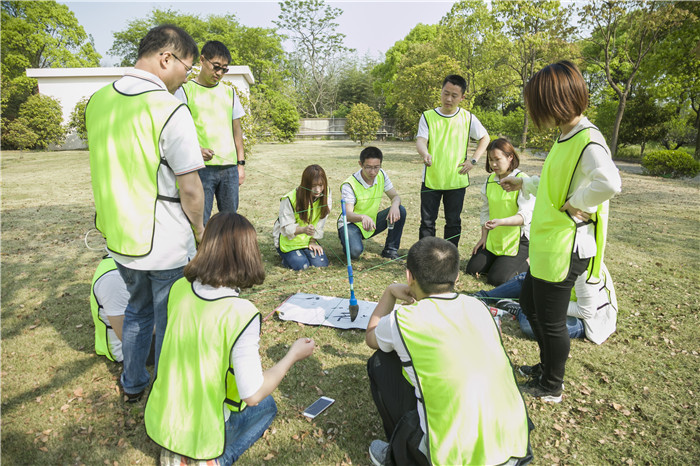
(216, 66)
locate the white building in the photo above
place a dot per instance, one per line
(69, 85)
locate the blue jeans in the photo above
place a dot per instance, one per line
(148, 306)
(220, 181)
(393, 238)
(301, 259)
(511, 290)
(245, 428)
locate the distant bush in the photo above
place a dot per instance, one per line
(37, 125)
(285, 120)
(362, 123)
(628, 153)
(673, 163)
(77, 119)
(17, 135)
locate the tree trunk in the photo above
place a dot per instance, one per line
(641, 153)
(523, 140)
(616, 127)
(697, 135)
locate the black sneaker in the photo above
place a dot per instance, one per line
(133, 397)
(535, 390)
(379, 452)
(509, 306)
(533, 372)
(393, 255)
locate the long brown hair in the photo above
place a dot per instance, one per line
(508, 150)
(558, 92)
(313, 174)
(228, 255)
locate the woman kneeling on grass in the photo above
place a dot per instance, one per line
(211, 399)
(303, 214)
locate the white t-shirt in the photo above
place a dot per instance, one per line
(245, 355)
(476, 129)
(173, 239)
(348, 195)
(595, 180)
(238, 110)
(596, 306)
(110, 291)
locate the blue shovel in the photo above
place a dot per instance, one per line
(354, 307)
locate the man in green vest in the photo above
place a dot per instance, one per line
(441, 379)
(362, 193)
(217, 111)
(442, 141)
(144, 158)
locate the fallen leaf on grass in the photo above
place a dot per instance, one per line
(269, 456)
(44, 449)
(121, 442)
(65, 407)
(78, 392)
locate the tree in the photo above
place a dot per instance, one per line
(77, 119)
(317, 45)
(362, 123)
(624, 34)
(537, 34)
(355, 85)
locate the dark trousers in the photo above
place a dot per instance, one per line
(395, 399)
(499, 269)
(452, 201)
(545, 305)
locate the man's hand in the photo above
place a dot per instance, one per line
(491, 224)
(241, 174)
(302, 349)
(428, 160)
(207, 154)
(574, 212)
(401, 291)
(368, 223)
(466, 166)
(394, 214)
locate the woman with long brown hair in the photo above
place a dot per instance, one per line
(302, 216)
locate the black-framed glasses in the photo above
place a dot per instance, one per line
(216, 66)
(187, 68)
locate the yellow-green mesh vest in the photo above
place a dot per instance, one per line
(504, 240)
(367, 201)
(101, 338)
(473, 410)
(212, 111)
(553, 233)
(447, 143)
(123, 135)
(185, 409)
(302, 240)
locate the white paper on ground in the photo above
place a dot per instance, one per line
(313, 309)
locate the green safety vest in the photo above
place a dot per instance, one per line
(302, 240)
(553, 233)
(212, 111)
(101, 338)
(367, 200)
(473, 409)
(504, 240)
(448, 143)
(185, 409)
(123, 135)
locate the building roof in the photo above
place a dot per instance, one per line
(115, 72)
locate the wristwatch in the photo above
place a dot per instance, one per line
(473, 161)
(241, 162)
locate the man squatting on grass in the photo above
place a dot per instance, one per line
(144, 158)
(217, 111)
(362, 193)
(442, 141)
(441, 380)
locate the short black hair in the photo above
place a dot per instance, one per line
(215, 48)
(371, 152)
(457, 80)
(434, 264)
(168, 36)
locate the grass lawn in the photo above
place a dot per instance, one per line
(632, 400)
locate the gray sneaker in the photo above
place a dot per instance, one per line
(535, 390)
(533, 372)
(379, 452)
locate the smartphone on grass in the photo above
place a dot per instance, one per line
(318, 406)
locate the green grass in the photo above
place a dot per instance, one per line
(632, 400)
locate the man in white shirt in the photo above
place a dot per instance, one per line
(144, 158)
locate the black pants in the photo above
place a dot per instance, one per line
(499, 269)
(452, 201)
(395, 399)
(545, 305)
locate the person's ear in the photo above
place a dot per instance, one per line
(409, 277)
(359, 162)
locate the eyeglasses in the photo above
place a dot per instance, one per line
(375, 168)
(216, 66)
(187, 68)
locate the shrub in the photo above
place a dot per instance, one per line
(362, 123)
(285, 119)
(42, 115)
(77, 119)
(673, 163)
(18, 135)
(628, 153)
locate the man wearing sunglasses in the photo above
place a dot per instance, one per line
(217, 111)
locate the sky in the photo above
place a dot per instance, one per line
(370, 27)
